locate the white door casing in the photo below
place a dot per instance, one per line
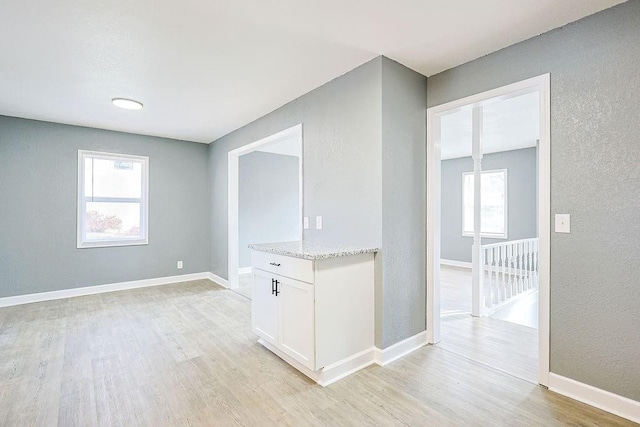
(540, 84)
(232, 196)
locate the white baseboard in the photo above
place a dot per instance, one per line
(219, 280)
(245, 270)
(346, 367)
(607, 401)
(400, 349)
(332, 373)
(99, 289)
(337, 371)
(452, 263)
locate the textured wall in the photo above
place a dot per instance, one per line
(268, 193)
(595, 177)
(404, 101)
(521, 200)
(38, 186)
(341, 152)
(345, 159)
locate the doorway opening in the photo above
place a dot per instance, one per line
(488, 244)
(265, 199)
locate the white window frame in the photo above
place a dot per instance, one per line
(506, 207)
(82, 201)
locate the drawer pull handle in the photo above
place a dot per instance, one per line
(276, 264)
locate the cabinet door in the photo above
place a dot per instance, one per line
(264, 307)
(296, 332)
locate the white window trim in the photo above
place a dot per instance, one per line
(144, 204)
(505, 235)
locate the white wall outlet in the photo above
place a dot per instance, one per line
(563, 223)
(180, 265)
(305, 223)
(318, 223)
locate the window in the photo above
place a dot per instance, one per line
(493, 217)
(113, 203)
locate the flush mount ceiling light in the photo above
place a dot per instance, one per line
(127, 104)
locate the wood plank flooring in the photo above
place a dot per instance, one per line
(184, 355)
(503, 345)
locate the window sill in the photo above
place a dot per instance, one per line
(112, 244)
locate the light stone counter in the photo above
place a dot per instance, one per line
(313, 250)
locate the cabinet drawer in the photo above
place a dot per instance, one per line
(295, 268)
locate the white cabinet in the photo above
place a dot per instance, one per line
(317, 315)
(283, 315)
(264, 308)
(296, 321)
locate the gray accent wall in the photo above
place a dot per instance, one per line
(38, 186)
(522, 212)
(403, 202)
(595, 177)
(268, 200)
(343, 152)
(341, 160)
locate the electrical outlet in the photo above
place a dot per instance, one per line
(180, 265)
(318, 223)
(305, 223)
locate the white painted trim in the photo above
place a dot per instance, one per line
(345, 367)
(328, 374)
(245, 270)
(99, 289)
(218, 280)
(542, 85)
(544, 228)
(232, 194)
(454, 263)
(400, 349)
(433, 223)
(605, 400)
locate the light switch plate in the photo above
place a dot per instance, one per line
(563, 223)
(305, 223)
(318, 223)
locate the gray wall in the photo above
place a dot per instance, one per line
(341, 158)
(521, 200)
(38, 186)
(403, 202)
(595, 177)
(343, 180)
(268, 196)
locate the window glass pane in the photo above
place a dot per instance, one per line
(492, 213)
(106, 221)
(467, 210)
(493, 199)
(113, 178)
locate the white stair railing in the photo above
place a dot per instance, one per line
(510, 270)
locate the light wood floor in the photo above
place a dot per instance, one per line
(184, 355)
(503, 345)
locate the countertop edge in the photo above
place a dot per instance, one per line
(314, 257)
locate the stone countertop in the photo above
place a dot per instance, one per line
(313, 250)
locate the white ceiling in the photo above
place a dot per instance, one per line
(508, 124)
(205, 68)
